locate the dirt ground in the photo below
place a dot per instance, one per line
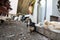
(15, 30)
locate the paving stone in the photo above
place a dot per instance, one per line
(18, 31)
(10, 35)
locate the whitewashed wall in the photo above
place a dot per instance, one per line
(39, 11)
(34, 19)
(42, 11)
(55, 11)
(13, 4)
(49, 9)
(52, 9)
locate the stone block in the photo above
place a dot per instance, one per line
(53, 35)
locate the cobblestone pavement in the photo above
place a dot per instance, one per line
(18, 31)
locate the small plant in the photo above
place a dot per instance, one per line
(4, 7)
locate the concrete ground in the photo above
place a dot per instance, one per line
(15, 30)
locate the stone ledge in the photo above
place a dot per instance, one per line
(48, 33)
